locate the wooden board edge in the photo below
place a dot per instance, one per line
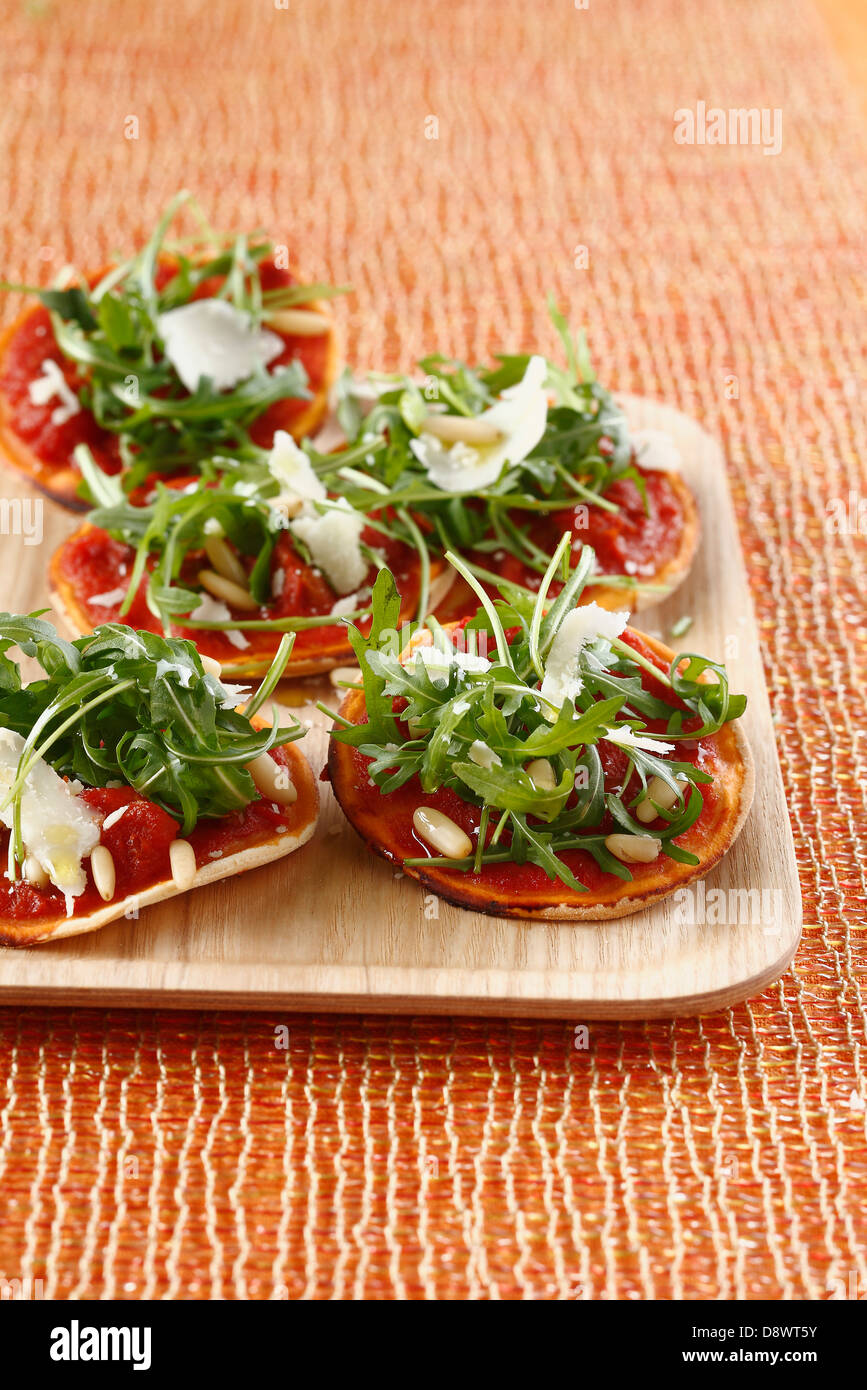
(353, 1002)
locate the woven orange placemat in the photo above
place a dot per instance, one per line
(452, 162)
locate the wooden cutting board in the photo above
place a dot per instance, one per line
(333, 927)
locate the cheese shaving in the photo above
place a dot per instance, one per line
(212, 338)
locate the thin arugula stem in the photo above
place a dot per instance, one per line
(567, 597)
(424, 563)
(536, 621)
(272, 624)
(335, 714)
(513, 539)
(243, 753)
(439, 861)
(503, 652)
(481, 838)
(632, 655)
(33, 751)
(275, 671)
(146, 263)
(594, 499)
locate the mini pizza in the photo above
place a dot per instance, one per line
(128, 775)
(157, 362)
(501, 461)
(235, 560)
(565, 767)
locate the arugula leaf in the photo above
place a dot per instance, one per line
(511, 789)
(128, 705)
(711, 701)
(572, 730)
(70, 304)
(585, 447)
(537, 846)
(385, 606)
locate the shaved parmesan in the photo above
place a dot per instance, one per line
(291, 468)
(483, 756)
(211, 610)
(579, 629)
(211, 338)
(183, 673)
(334, 542)
(58, 829)
(234, 695)
(656, 451)
(52, 383)
(625, 737)
(438, 663)
(333, 537)
(519, 417)
(350, 602)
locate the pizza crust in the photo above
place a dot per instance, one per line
(670, 575)
(734, 786)
(14, 932)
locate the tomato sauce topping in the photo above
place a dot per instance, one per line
(98, 567)
(139, 841)
(30, 345)
(631, 541)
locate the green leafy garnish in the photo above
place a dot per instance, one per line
(125, 706)
(584, 449)
(233, 502)
(478, 721)
(111, 331)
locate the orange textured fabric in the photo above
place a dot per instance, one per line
(153, 1154)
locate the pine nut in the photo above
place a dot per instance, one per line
(461, 429)
(227, 590)
(541, 774)
(299, 323)
(440, 587)
(348, 675)
(272, 780)
(633, 849)
(102, 868)
(657, 791)
(225, 561)
(211, 666)
(182, 858)
(441, 833)
(34, 872)
(288, 504)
